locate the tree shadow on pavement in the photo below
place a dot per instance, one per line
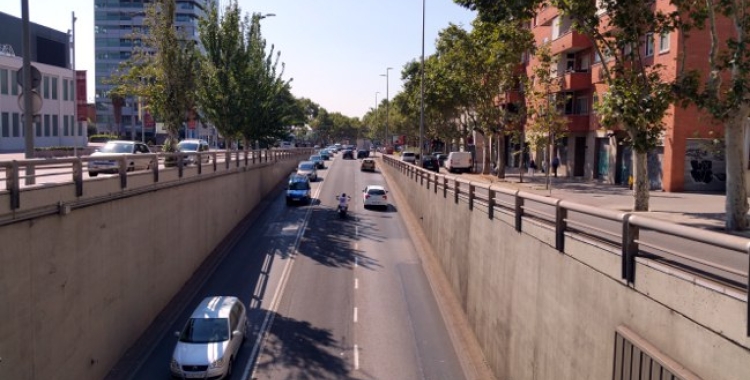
(299, 350)
(329, 239)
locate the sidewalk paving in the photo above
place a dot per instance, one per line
(701, 210)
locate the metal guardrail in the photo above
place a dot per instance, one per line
(17, 172)
(628, 242)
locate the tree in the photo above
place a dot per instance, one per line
(725, 91)
(546, 122)
(638, 96)
(222, 69)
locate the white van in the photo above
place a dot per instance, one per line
(459, 161)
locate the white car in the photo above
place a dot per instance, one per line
(409, 157)
(375, 195)
(119, 148)
(207, 347)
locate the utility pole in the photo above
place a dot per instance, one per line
(421, 98)
(28, 112)
(75, 84)
(387, 104)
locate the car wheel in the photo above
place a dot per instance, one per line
(93, 174)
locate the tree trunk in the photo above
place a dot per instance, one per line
(736, 204)
(641, 183)
(501, 156)
(485, 154)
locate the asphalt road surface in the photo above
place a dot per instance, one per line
(328, 298)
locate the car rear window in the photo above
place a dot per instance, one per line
(299, 186)
(376, 192)
(306, 166)
(408, 154)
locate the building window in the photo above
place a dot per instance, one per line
(80, 129)
(46, 126)
(664, 42)
(65, 89)
(38, 129)
(16, 120)
(13, 82)
(4, 82)
(5, 120)
(649, 44)
(72, 89)
(582, 106)
(46, 87)
(65, 125)
(54, 88)
(55, 125)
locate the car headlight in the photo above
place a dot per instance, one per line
(174, 365)
(218, 363)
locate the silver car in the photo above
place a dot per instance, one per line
(119, 148)
(193, 147)
(207, 347)
(308, 169)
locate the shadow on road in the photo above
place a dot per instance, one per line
(302, 351)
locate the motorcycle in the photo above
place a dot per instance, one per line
(342, 209)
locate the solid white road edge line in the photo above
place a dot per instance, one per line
(268, 320)
(355, 315)
(356, 358)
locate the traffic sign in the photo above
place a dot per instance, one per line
(36, 102)
(36, 77)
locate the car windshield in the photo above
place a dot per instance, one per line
(117, 148)
(376, 192)
(315, 158)
(408, 154)
(188, 147)
(299, 186)
(305, 167)
(205, 330)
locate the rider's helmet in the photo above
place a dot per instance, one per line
(343, 195)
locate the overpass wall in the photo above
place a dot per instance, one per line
(542, 314)
(77, 290)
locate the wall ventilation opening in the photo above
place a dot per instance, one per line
(637, 359)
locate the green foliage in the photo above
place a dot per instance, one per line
(544, 105)
(102, 137)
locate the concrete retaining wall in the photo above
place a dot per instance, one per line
(77, 290)
(542, 314)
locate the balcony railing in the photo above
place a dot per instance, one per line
(576, 80)
(578, 123)
(570, 42)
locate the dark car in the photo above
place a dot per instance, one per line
(298, 189)
(348, 154)
(441, 158)
(363, 154)
(318, 161)
(431, 163)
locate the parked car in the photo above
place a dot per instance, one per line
(409, 157)
(431, 163)
(459, 161)
(308, 169)
(194, 146)
(363, 153)
(325, 155)
(298, 189)
(119, 148)
(441, 159)
(208, 344)
(368, 164)
(318, 161)
(374, 195)
(348, 154)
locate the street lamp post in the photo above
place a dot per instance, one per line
(421, 98)
(376, 107)
(387, 104)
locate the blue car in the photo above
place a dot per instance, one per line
(298, 190)
(318, 161)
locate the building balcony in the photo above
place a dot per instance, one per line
(546, 15)
(576, 80)
(578, 123)
(570, 42)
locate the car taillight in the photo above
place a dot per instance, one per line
(385, 198)
(367, 196)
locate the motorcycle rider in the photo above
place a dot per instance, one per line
(344, 201)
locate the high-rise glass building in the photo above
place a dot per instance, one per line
(116, 22)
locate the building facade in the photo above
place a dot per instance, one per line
(117, 23)
(58, 88)
(683, 161)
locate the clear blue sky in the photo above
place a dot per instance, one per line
(334, 50)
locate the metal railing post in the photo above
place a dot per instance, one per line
(472, 190)
(491, 204)
(435, 183)
(445, 187)
(123, 172)
(180, 165)
(561, 224)
(13, 185)
(629, 248)
(78, 176)
(227, 159)
(155, 166)
(519, 211)
(456, 190)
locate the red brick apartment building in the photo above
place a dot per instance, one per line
(590, 152)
